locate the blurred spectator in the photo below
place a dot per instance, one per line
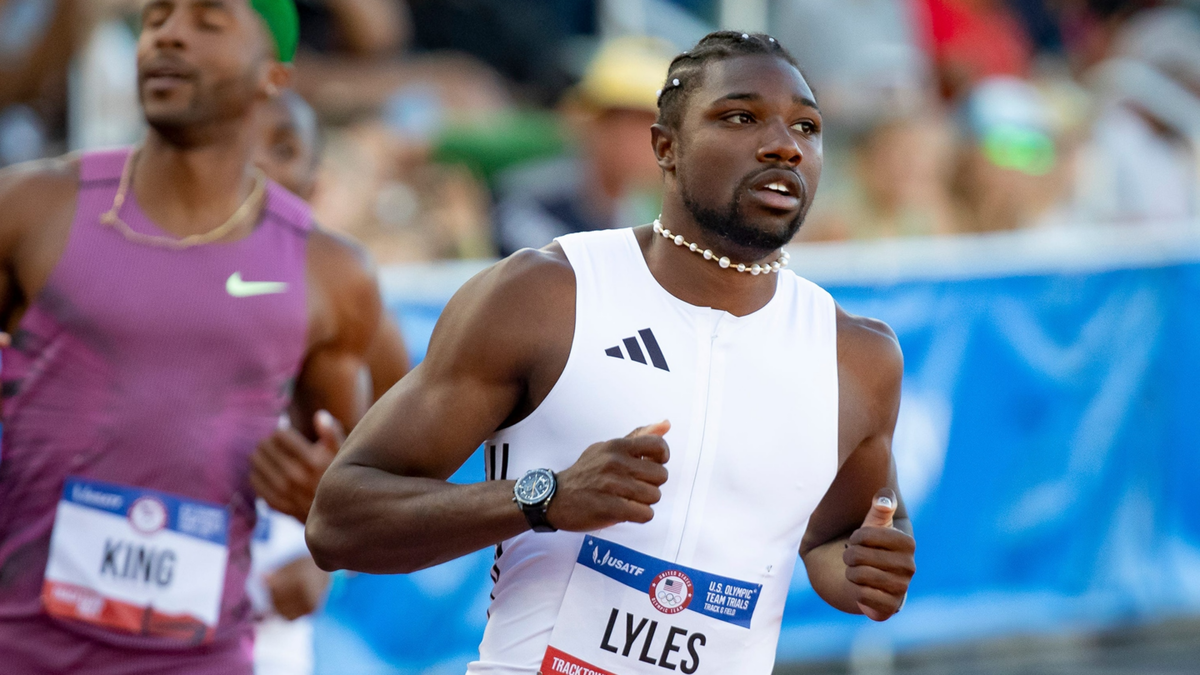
(1141, 161)
(1014, 170)
(380, 188)
(859, 57)
(1089, 27)
(354, 58)
(37, 38)
(613, 181)
(899, 183)
(363, 28)
(524, 40)
(974, 39)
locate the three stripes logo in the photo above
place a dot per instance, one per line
(636, 354)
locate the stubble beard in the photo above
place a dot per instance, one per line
(729, 225)
(208, 112)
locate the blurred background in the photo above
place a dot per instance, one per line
(1014, 185)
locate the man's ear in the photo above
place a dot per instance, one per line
(663, 140)
(277, 78)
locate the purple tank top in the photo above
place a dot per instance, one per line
(135, 365)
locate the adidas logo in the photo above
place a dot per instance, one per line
(634, 349)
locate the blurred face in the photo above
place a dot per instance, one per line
(748, 152)
(287, 152)
(201, 62)
(617, 144)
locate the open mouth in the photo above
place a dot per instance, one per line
(780, 192)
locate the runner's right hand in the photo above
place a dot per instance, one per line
(612, 482)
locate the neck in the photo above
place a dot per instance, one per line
(191, 189)
(691, 278)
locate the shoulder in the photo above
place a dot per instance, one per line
(346, 288)
(32, 192)
(524, 286)
(30, 182)
(332, 255)
(518, 306)
(869, 358)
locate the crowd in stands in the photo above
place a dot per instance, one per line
(471, 128)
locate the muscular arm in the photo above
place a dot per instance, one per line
(385, 506)
(388, 486)
(37, 205)
(333, 389)
(346, 308)
(856, 566)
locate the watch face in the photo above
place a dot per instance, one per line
(534, 486)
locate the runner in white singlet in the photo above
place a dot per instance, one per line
(669, 548)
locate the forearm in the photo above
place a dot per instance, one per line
(368, 520)
(827, 571)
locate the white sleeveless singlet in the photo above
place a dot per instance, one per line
(753, 406)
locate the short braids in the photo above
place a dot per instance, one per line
(686, 72)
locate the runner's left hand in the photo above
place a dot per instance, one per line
(880, 560)
(286, 466)
(297, 588)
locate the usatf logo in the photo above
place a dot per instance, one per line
(607, 560)
(148, 515)
(671, 592)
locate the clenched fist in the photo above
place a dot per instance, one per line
(612, 482)
(880, 560)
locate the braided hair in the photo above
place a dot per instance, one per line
(686, 72)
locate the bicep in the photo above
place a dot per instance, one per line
(431, 422)
(475, 374)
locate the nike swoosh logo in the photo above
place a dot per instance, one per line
(245, 289)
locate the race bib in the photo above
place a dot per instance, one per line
(137, 560)
(627, 612)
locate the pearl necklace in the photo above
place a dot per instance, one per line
(756, 268)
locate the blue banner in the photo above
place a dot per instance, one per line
(1047, 451)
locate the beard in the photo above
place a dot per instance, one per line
(202, 116)
(730, 225)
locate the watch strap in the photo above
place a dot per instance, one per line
(536, 517)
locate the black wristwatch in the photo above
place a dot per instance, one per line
(533, 493)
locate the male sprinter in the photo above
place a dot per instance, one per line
(780, 405)
(285, 585)
(166, 305)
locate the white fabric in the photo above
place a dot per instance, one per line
(283, 543)
(281, 647)
(753, 404)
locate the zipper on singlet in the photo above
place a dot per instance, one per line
(703, 419)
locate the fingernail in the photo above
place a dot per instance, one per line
(325, 418)
(283, 423)
(883, 503)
